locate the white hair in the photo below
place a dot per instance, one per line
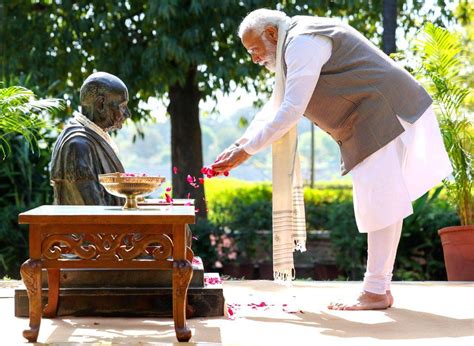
(259, 19)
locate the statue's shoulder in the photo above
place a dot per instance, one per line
(76, 138)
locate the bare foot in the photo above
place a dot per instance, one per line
(365, 301)
(390, 298)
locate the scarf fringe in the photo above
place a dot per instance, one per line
(284, 276)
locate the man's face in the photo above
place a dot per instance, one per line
(261, 47)
(116, 108)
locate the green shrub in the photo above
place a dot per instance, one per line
(24, 184)
(205, 242)
(240, 209)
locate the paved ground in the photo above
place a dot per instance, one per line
(265, 313)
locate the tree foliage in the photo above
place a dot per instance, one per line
(152, 45)
(179, 50)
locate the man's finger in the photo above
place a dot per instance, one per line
(225, 155)
(220, 168)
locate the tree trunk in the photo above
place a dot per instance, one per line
(389, 26)
(186, 145)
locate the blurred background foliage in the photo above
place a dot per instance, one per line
(238, 210)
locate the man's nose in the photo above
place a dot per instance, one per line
(256, 59)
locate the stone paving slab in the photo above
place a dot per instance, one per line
(266, 313)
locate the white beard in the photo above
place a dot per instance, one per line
(270, 59)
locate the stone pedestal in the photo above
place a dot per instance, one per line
(120, 278)
(127, 293)
(127, 302)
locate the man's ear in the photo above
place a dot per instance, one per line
(99, 104)
(271, 34)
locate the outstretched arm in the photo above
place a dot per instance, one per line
(304, 57)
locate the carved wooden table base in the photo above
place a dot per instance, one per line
(106, 237)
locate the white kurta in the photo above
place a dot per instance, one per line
(386, 182)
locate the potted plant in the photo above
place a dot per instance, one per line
(442, 67)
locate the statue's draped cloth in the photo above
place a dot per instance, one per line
(79, 156)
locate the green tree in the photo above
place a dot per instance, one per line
(180, 50)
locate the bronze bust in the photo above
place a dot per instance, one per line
(84, 148)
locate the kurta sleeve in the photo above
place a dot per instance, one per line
(304, 57)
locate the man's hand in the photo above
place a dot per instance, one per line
(230, 159)
(226, 153)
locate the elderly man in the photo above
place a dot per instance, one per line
(378, 114)
(84, 149)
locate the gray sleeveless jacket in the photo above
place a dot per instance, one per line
(360, 91)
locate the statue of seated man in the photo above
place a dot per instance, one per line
(84, 148)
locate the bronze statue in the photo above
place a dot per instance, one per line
(84, 148)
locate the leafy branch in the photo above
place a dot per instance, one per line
(21, 113)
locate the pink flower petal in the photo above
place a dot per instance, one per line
(201, 181)
(189, 179)
(168, 189)
(175, 170)
(168, 198)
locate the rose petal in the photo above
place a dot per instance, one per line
(168, 189)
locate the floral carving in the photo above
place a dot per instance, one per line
(107, 246)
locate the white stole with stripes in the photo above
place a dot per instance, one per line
(289, 224)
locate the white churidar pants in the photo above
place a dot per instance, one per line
(385, 184)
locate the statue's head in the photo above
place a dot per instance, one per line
(104, 99)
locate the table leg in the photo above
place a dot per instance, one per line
(31, 276)
(50, 310)
(182, 274)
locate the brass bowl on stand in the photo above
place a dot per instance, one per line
(130, 187)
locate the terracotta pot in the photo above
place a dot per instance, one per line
(458, 248)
